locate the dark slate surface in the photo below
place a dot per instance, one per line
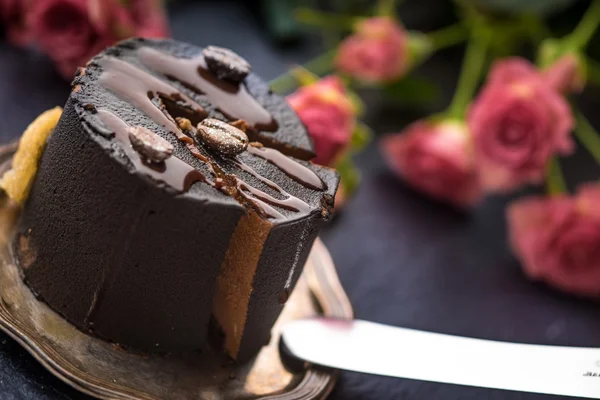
(403, 259)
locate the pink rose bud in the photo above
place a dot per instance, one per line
(12, 18)
(378, 51)
(328, 115)
(518, 122)
(557, 239)
(436, 158)
(565, 75)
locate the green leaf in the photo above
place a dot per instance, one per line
(350, 176)
(412, 91)
(360, 137)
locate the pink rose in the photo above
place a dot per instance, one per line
(565, 74)
(519, 122)
(12, 17)
(377, 51)
(72, 31)
(328, 115)
(557, 239)
(436, 157)
(62, 28)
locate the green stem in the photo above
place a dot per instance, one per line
(386, 8)
(437, 40)
(469, 12)
(447, 37)
(471, 70)
(555, 180)
(326, 20)
(586, 28)
(587, 135)
(318, 66)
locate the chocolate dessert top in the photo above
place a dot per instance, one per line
(198, 123)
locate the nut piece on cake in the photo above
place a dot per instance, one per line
(150, 146)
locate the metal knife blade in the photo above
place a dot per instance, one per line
(373, 348)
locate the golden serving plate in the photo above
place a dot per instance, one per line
(107, 371)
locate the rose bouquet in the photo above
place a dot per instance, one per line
(508, 125)
(71, 31)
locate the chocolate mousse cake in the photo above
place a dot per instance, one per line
(174, 198)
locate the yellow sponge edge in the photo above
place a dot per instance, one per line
(17, 181)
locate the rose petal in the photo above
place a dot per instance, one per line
(519, 123)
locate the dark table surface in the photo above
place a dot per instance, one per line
(403, 259)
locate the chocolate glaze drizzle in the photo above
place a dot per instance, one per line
(262, 200)
(161, 102)
(292, 168)
(232, 99)
(173, 171)
(140, 88)
(290, 202)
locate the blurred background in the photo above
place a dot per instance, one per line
(403, 258)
